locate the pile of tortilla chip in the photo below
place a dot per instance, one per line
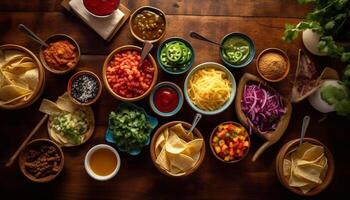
(306, 167)
(177, 150)
(19, 76)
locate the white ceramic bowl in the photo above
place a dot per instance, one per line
(87, 162)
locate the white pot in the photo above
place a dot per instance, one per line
(310, 40)
(318, 103)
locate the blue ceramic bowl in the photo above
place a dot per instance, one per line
(251, 50)
(233, 87)
(152, 120)
(168, 69)
(179, 94)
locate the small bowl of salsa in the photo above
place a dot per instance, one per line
(237, 50)
(61, 56)
(101, 8)
(166, 99)
(148, 23)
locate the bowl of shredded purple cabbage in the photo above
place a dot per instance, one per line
(262, 107)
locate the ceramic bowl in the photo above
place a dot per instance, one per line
(284, 151)
(76, 75)
(88, 169)
(213, 150)
(41, 82)
(179, 94)
(55, 38)
(277, 51)
(216, 66)
(22, 160)
(152, 120)
(170, 70)
(251, 55)
(151, 8)
(160, 130)
(109, 88)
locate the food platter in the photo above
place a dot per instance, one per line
(270, 137)
(176, 150)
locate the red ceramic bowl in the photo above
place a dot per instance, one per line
(101, 8)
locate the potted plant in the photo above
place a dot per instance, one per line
(329, 23)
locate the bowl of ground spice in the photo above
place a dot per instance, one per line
(84, 88)
(273, 64)
(41, 160)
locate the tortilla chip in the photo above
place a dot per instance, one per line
(49, 107)
(10, 92)
(179, 130)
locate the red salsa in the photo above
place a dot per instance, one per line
(166, 99)
(101, 7)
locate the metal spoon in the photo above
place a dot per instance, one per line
(195, 122)
(147, 47)
(304, 126)
(32, 35)
(200, 37)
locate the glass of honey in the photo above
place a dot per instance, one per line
(102, 162)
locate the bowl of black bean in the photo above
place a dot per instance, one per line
(84, 88)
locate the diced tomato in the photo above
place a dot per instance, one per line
(125, 77)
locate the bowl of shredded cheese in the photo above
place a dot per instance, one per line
(209, 88)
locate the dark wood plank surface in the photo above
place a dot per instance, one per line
(138, 178)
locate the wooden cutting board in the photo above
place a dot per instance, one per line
(124, 9)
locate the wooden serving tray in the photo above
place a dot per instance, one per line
(270, 137)
(124, 9)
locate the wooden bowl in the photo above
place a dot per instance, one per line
(151, 8)
(213, 150)
(41, 84)
(110, 56)
(21, 160)
(280, 52)
(270, 137)
(70, 82)
(87, 135)
(153, 143)
(279, 167)
(55, 38)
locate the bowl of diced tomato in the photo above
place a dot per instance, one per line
(230, 142)
(124, 78)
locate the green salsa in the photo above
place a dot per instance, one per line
(235, 50)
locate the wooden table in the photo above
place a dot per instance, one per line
(138, 178)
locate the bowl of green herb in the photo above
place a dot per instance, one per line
(130, 128)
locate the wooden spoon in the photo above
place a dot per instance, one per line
(36, 128)
(32, 35)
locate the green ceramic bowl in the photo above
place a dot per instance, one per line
(173, 70)
(246, 61)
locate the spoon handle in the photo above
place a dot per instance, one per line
(147, 47)
(200, 37)
(306, 121)
(195, 121)
(30, 34)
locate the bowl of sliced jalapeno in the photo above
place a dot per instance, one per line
(175, 55)
(237, 50)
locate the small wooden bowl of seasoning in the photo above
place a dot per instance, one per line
(84, 88)
(273, 64)
(41, 160)
(148, 23)
(166, 99)
(62, 55)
